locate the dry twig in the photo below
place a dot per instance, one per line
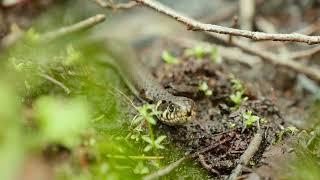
(165, 170)
(247, 155)
(87, 23)
(115, 6)
(198, 26)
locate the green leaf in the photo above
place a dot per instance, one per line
(169, 58)
(147, 148)
(147, 139)
(160, 139)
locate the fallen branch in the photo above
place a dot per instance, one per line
(87, 23)
(198, 26)
(247, 155)
(165, 170)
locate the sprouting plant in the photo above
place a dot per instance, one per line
(153, 144)
(197, 51)
(249, 119)
(237, 85)
(146, 112)
(200, 51)
(231, 125)
(203, 86)
(237, 98)
(169, 58)
(289, 129)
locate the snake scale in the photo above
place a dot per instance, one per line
(175, 110)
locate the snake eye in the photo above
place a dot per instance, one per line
(171, 108)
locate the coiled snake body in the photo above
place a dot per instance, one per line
(174, 110)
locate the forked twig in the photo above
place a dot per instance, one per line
(198, 26)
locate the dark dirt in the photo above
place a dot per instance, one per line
(216, 113)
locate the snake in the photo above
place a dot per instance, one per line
(174, 110)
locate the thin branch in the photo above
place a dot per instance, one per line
(115, 6)
(165, 170)
(305, 53)
(267, 56)
(87, 23)
(247, 155)
(198, 26)
(54, 81)
(272, 58)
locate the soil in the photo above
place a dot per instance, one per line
(219, 122)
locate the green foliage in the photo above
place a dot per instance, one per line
(237, 85)
(146, 112)
(200, 51)
(153, 144)
(169, 58)
(237, 98)
(203, 86)
(249, 119)
(60, 120)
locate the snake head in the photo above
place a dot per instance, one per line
(180, 110)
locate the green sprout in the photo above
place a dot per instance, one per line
(237, 85)
(249, 119)
(289, 129)
(231, 125)
(153, 144)
(200, 51)
(169, 58)
(146, 112)
(203, 86)
(237, 98)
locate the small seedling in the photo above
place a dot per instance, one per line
(153, 144)
(290, 129)
(203, 86)
(232, 125)
(169, 58)
(198, 51)
(237, 85)
(237, 98)
(249, 119)
(146, 112)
